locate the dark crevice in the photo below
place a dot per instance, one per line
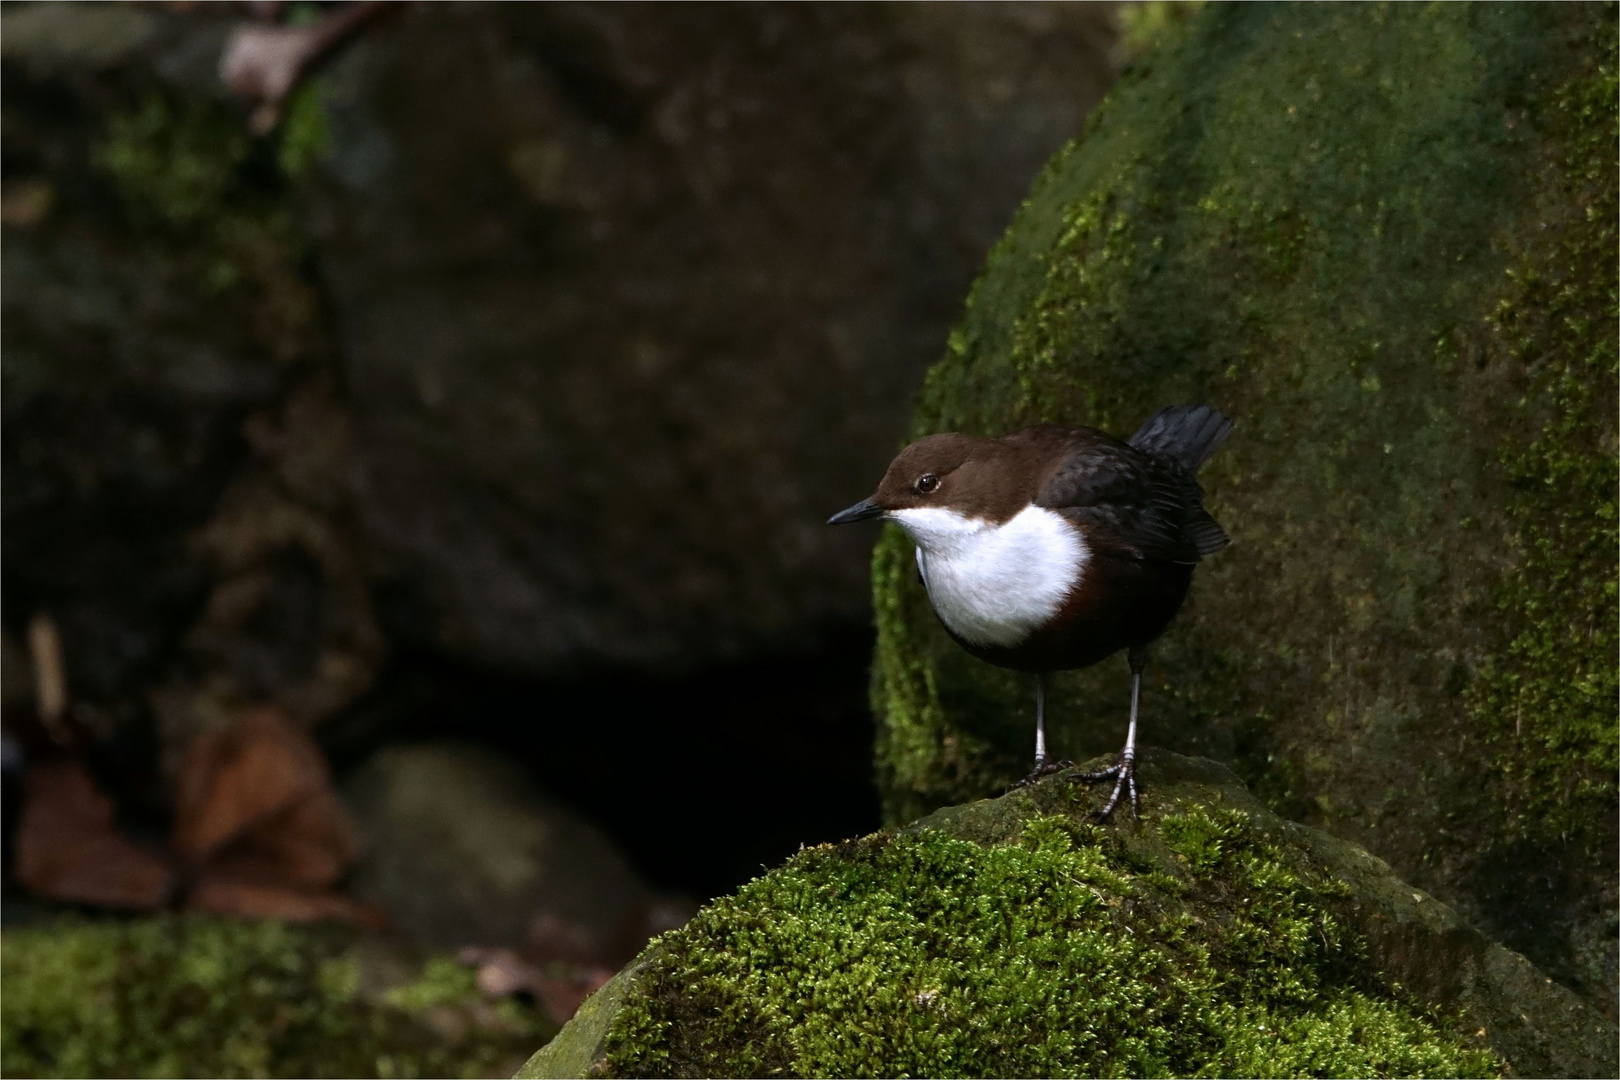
(703, 779)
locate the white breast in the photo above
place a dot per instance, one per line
(995, 584)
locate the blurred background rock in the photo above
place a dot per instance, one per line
(491, 385)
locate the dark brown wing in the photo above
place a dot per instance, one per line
(1131, 502)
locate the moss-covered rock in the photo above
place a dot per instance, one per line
(188, 996)
(1382, 237)
(1013, 937)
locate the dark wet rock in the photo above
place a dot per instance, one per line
(631, 298)
(1296, 923)
(1383, 240)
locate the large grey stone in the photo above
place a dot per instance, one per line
(462, 849)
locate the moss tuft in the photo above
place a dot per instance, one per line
(443, 981)
(306, 130)
(1147, 24)
(193, 186)
(1054, 954)
(174, 161)
(191, 996)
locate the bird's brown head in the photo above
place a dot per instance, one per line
(975, 477)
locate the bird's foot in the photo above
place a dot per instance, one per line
(1042, 769)
(1123, 774)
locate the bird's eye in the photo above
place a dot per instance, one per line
(927, 482)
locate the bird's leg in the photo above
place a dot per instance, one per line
(1123, 772)
(1042, 767)
(1127, 759)
(1040, 721)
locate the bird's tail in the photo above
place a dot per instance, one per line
(1185, 433)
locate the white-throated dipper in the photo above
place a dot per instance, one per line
(1055, 547)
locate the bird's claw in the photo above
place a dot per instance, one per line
(1123, 773)
(1042, 769)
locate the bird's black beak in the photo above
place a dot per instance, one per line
(862, 510)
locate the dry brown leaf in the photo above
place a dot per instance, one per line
(501, 971)
(559, 989)
(308, 845)
(219, 893)
(68, 849)
(234, 780)
(258, 817)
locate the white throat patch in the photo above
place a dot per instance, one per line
(995, 584)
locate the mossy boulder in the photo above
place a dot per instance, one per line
(1383, 238)
(192, 996)
(1015, 937)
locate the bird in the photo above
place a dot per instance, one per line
(1055, 547)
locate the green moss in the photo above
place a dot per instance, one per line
(306, 129)
(1054, 955)
(191, 996)
(174, 160)
(1307, 215)
(215, 205)
(1548, 696)
(1146, 25)
(443, 982)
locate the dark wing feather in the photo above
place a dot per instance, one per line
(1134, 503)
(1131, 503)
(1186, 433)
(1206, 533)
